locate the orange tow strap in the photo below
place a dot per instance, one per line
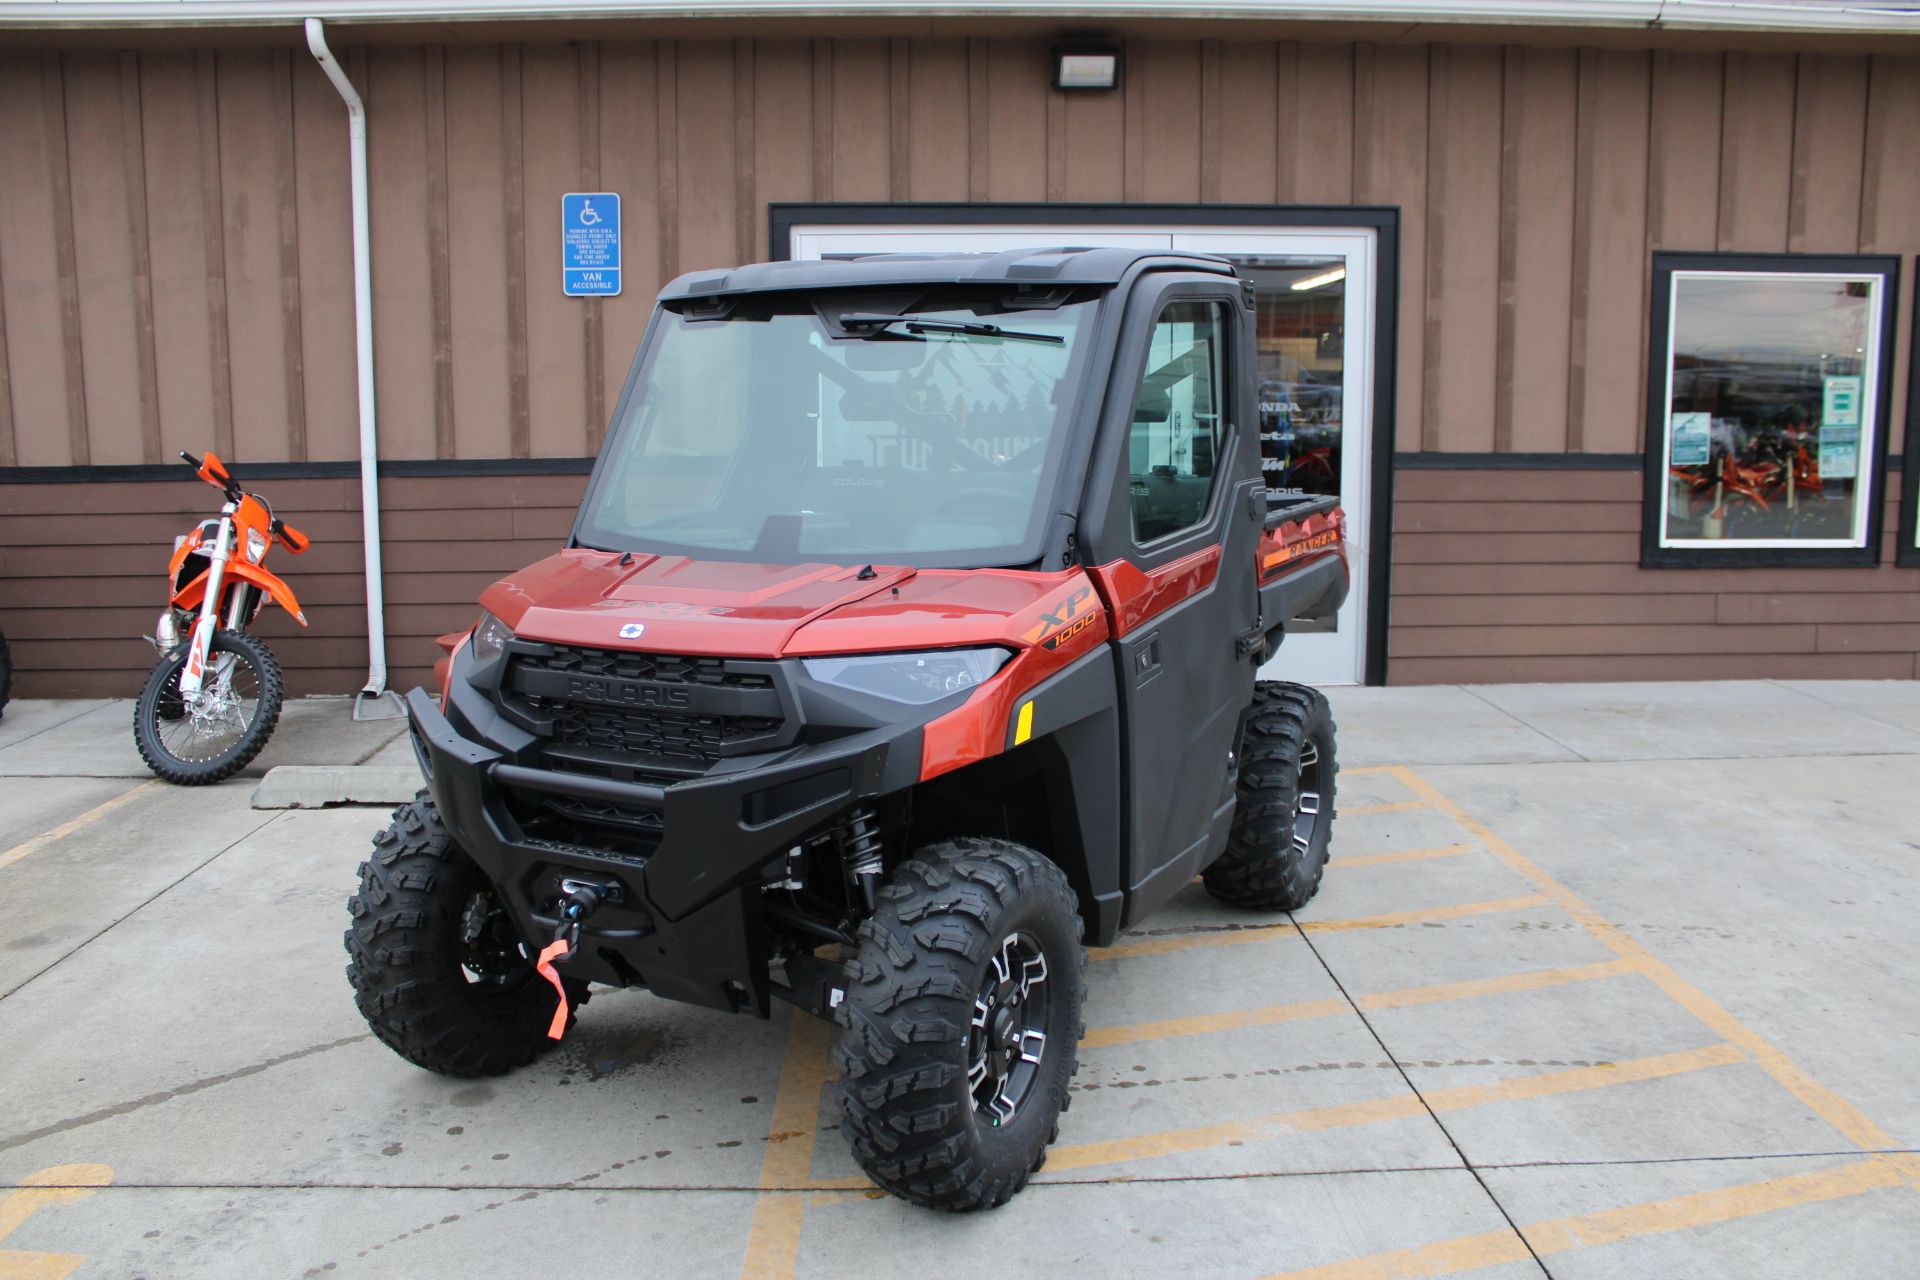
(557, 949)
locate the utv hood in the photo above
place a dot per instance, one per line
(672, 604)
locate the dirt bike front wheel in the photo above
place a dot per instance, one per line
(216, 734)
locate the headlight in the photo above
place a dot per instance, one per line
(257, 544)
(916, 678)
(490, 636)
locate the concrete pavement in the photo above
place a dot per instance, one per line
(1603, 981)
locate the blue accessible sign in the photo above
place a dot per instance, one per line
(590, 244)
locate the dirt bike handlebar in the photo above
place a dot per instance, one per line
(215, 473)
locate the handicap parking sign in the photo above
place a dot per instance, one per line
(590, 244)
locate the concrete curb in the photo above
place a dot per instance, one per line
(321, 786)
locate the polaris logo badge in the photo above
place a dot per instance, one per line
(627, 693)
(633, 630)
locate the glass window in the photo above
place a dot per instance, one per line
(1300, 363)
(1300, 360)
(1767, 413)
(1177, 421)
(774, 436)
(1907, 552)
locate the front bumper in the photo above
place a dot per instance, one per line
(685, 919)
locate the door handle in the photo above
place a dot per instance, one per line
(1146, 659)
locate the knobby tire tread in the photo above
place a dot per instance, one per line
(1261, 867)
(404, 949)
(905, 1106)
(147, 709)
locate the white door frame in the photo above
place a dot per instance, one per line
(819, 230)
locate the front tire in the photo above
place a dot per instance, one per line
(437, 968)
(1283, 821)
(962, 1019)
(234, 716)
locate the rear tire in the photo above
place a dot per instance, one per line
(962, 1018)
(1283, 822)
(168, 735)
(438, 971)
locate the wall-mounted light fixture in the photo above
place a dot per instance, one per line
(1086, 66)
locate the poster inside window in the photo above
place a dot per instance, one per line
(1767, 407)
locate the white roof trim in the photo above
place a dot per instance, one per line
(1741, 15)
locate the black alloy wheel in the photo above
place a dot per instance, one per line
(1009, 1037)
(492, 959)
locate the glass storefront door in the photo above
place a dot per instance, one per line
(1314, 295)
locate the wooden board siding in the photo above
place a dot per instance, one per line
(1499, 575)
(1533, 183)
(78, 588)
(1534, 575)
(175, 273)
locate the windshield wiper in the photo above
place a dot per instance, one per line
(875, 325)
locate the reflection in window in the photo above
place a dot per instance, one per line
(1300, 354)
(1300, 351)
(1771, 381)
(1177, 427)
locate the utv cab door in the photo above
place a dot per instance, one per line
(1177, 507)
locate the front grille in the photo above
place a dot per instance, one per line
(612, 710)
(659, 735)
(662, 668)
(602, 813)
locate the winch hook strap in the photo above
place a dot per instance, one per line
(555, 950)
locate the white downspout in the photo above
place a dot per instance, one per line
(376, 684)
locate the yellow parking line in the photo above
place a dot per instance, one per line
(1586, 1230)
(67, 828)
(1206, 1023)
(773, 1241)
(1146, 1146)
(1256, 933)
(1424, 915)
(773, 1246)
(1552, 1083)
(59, 1185)
(18, 1264)
(1533, 980)
(1402, 855)
(1275, 1014)
(1397, 806)
(1822, 1101)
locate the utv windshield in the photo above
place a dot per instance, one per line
(930, 439)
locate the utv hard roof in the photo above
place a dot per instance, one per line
(1045, 267)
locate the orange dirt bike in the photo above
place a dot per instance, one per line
(212, 700)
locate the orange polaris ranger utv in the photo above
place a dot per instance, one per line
(212, 700)
(906, 641)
